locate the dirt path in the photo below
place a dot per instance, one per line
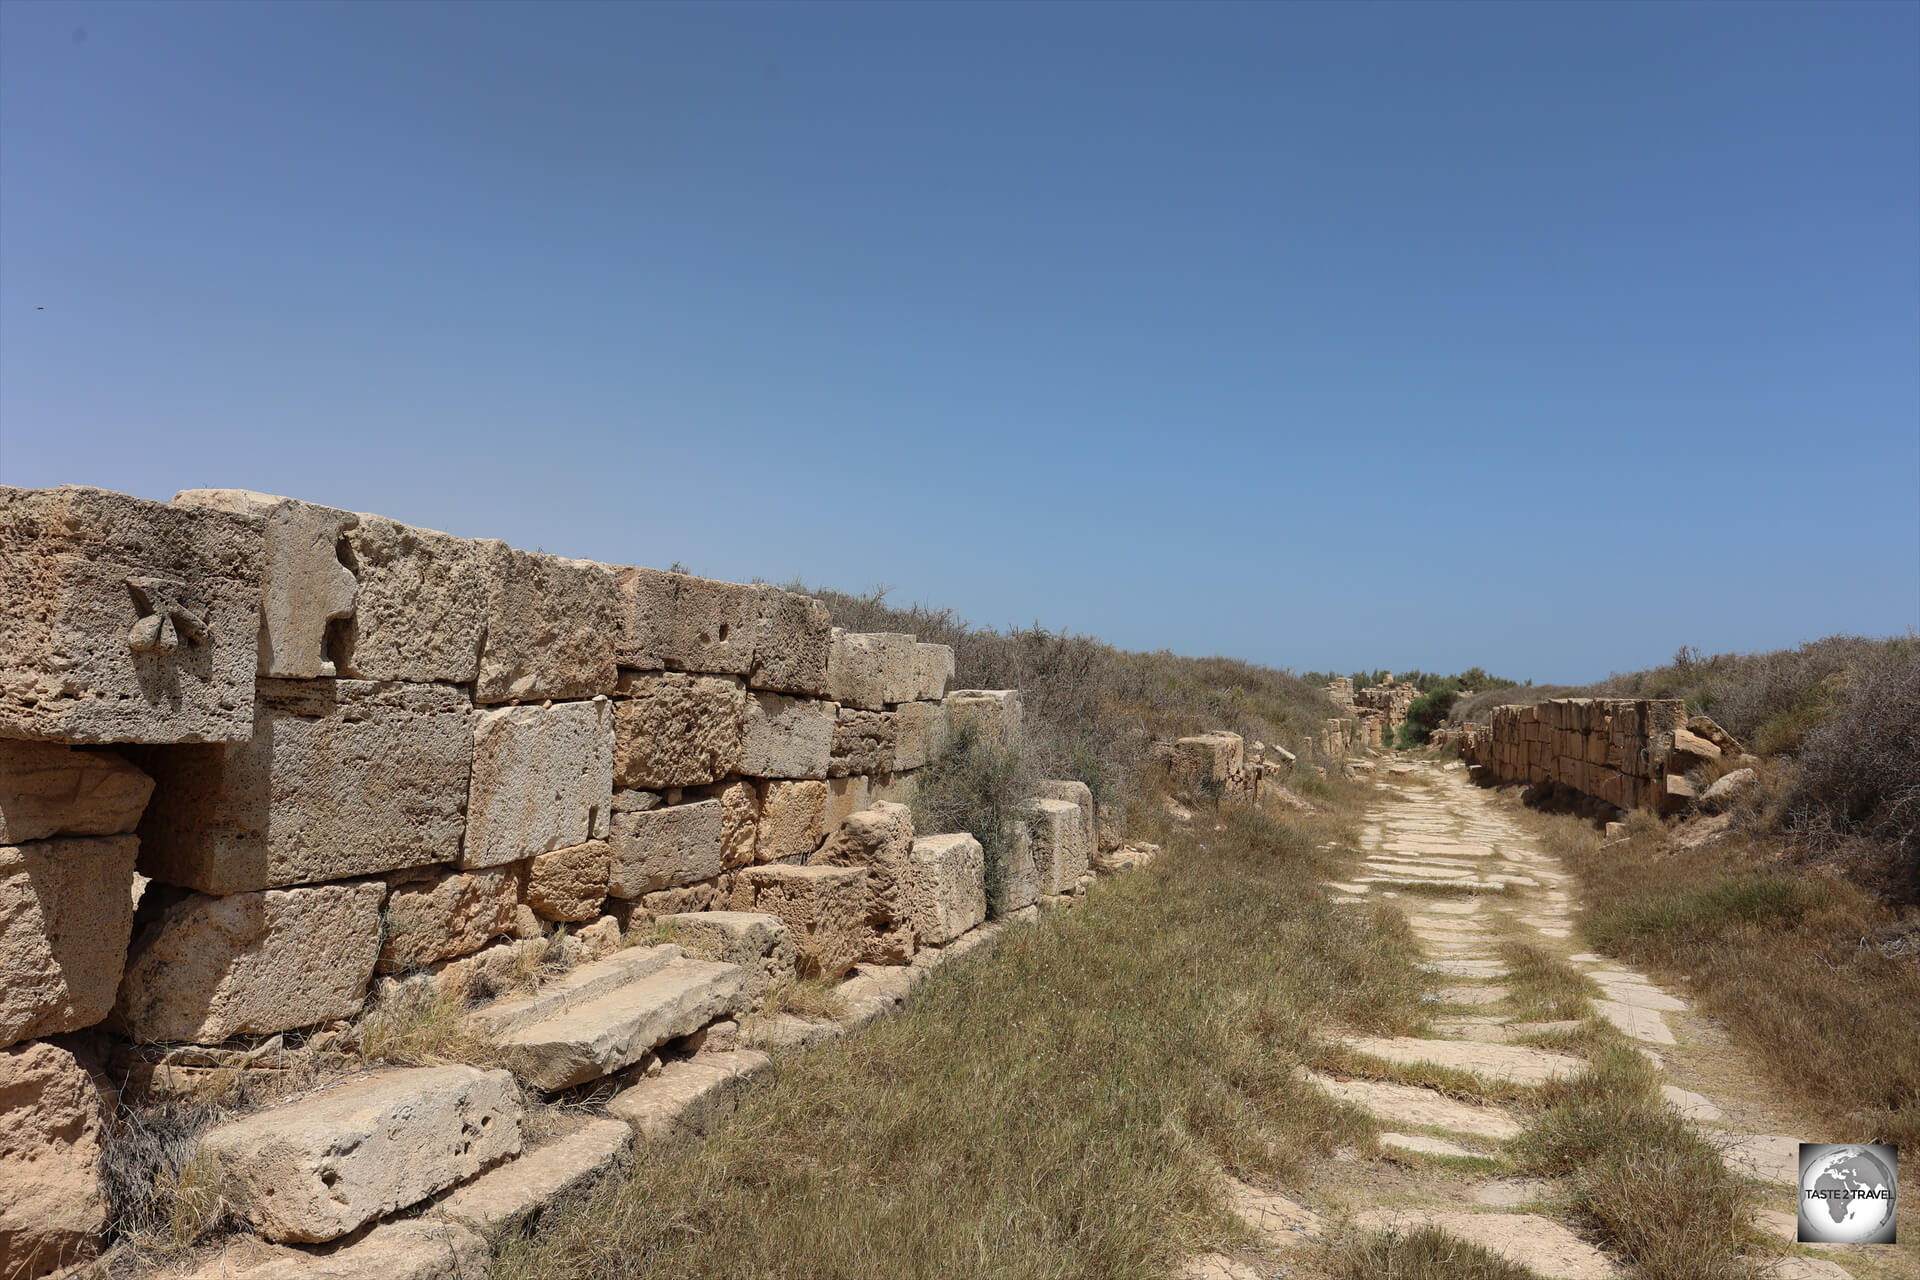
(1468, 879)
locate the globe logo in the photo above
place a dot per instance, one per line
(1847, 1193)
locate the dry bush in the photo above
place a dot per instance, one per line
(975, 784)
(163, 1191)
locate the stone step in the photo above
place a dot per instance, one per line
(618, 1025)
(1526, 1238)
(587, 982)
(1514, 1063)
(685, 1099)
(509, 1192)
(1409, 1104)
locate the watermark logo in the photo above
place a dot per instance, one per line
(1847, 1193)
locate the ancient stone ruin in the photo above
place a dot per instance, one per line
(264, 762)
(1631, 753)
(1379, 709)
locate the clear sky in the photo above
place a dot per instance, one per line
(1547, 337)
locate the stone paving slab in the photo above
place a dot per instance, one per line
(1420, 1144)
(1769, 1157)
(1639, 1024)
(1515, 1064)
(1525, 1238)
(1493, 993)
(1411, 1105)
(1279, 1220)
(1694, 1106)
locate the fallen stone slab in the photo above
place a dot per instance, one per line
(53, 1205)
(1515, 1064)
(66, 912)
(1636, 1023)
(564, 1162)
(1280, 1221)
(319, 1168)
(1525, 1238)
(688, 1097)
(1408, 1104)
(418, 1249)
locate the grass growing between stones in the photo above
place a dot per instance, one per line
(1426, 1253)
(1790, 962)
(1642, 1177)
(1541, 986)
(1058, 1107)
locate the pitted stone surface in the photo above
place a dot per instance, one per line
(420, 610)
(552, 626)
(66, 912)
(542, 780)
(47, 789)
(677, 730)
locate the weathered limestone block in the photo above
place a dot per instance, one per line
(552, 626)
(994, 714)
(1015, 884)
(863, 742)
(1208, 761)
(145, 618)
(846, 797)
(920, 730)
(948, 892)
(687, 1097)
(665, 848)
(933, 670)
(870, 670)
(563, 1162)
(792, 820)
(410, 1249)
(319, 1168)
(252, 963)
(677, 730)
(341, 778)
(421, 608)
(1080, 795)
(66, 911)
(881, 840)
(1060, 849)
(683, 623)
(894, 788)
(739, 820)
(304, 586)
(570, 884)
(1110, 820)
(51, 790)
(787, 737)
(793, 645)
(448, 916)
(824, 908)
(759, 943)
(542, 779)
(52, 1204)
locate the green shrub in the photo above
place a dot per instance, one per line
(974, 784)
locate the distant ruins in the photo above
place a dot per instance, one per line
(1380, 709)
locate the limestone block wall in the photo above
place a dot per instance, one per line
(1220, 765)
(258, 756)
(1631, 753)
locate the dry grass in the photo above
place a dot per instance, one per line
(162, 1189)
(424, 1026)
(1058, 1107)
(1426, 1253)
(805, 998)
(1788, 961)
(1543, 987)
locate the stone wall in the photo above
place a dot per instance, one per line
(1380, 709)
(1630, 753)
(262, 761)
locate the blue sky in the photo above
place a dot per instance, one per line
(1545, 337)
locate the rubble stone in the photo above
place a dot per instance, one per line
(676, 730)
(47, 789)
(421, 607)
(251, 963)
(792, 820)
(447, 916)
(571, 883)
(542, 780)
(823, 907)
(552, 626)
(145, 620)
(316, 793)
(66, 911)
(318, 1168)
(304, 586)
(787, 737)
(52, 1204)
(665, 848)
(948, 891)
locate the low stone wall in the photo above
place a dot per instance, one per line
(1631, 753)
(261, 760)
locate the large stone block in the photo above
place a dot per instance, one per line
(52, 1204)
(1061, 852)
(863, 742)
(1208, 761)
(447, 916)
(947, 891)
(542, 779)
(792, 820)
(920, 730)
(872, 670)
(1078, 794)
(759, 943)
(933, 670)
(51, 790)
(552, 626)
(421, 607)
(66, 912)
(304, 586)
(881, 840)
(794, 645)
(739, 820)
(319, 1168)
(144, 623)
(570, 884)
(787, 737)
(341, 778)
(1014, 884)
(845, 797)
(993, 714)
(252, 963)
(684, 623)
(676, 730)
(665, 848)
(824, 909)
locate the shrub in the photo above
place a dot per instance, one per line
(974, 784)
(1860, 767)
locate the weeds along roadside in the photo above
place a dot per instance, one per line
(1057, 1107)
